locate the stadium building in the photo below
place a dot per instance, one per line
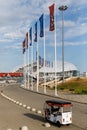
(70, 70)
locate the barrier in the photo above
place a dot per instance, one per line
(28, 107)
(39, 111)
(21, 104)
(24, 106)
(33, 109)
(47, 124)
(24, 128)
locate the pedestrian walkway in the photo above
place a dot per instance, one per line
(60, 94)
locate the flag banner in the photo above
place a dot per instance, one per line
(27, 40)
(36, 55)
(23, 45)
(40, 60)
(23, 50)
(51, 9)
(35, 33)
(48, 63)
(41, 26)
(52, 64)
(30, 33)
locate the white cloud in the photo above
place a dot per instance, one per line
(16, 16)
(77, 30)
(75, 43)
(67, 23)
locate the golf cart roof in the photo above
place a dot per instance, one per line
(58, 103)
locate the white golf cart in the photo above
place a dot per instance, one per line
(59, 112)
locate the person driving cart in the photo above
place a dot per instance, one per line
(55, 110)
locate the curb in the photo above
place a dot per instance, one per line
(21, 104)
(53, 96)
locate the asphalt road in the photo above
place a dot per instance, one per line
(14, 116)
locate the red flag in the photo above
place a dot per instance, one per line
(52, 26)
(23, 43)
(27, 40)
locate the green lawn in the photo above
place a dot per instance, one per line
(76, 85)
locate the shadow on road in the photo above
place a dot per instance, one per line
(35, 117)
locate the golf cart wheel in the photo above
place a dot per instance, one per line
(46, 118)
(68, 124)
(58, 124)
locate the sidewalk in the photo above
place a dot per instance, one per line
(64, 95)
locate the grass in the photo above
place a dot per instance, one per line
(76, 85)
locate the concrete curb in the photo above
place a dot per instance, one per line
(24, 128)
(66, 99)
(21, 104)
(24, 106)
(47, 125)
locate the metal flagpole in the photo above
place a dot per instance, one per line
(28, 63)
(25, 69)
(44, 59)
(55, 55)
(29, 66)
(38, 64)
(32, 58)
(37, 58)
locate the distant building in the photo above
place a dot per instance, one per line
(69, 70)
(84, 74)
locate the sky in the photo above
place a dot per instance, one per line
(16, 18)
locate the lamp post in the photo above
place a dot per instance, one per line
(63, 8)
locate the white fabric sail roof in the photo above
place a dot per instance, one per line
(67, 67)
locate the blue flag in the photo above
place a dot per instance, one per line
(35, 33)
(41, 26)
(30, 33)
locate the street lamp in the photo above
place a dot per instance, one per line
(63, 8)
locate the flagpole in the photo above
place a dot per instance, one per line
(37, 55)
(37, 60)
(44, 59)
(29, 67)
(28, 63)
(32, 58)
(55, 55)
(25, 69)
(30, 36)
